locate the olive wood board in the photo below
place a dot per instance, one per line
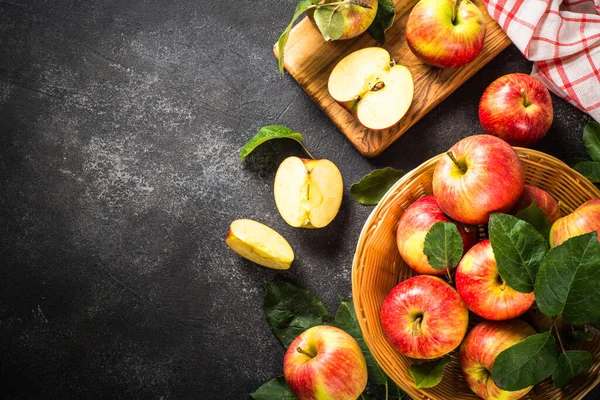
(309, 60)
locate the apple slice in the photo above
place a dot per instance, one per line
(372, 87)
(260, 244)
(308, 193)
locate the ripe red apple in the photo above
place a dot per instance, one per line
(413, 226)
(423, 317)
(543, 199)
(325, 362)
(479, 351)
(483, 290)
(516, 108)
(585, 219)
(445, 33)
(480, 175)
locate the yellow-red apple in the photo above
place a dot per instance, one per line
(543, 199)
(585, 219)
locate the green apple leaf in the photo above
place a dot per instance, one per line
(571, 364)
(371, 188)
(275, 389)
(526, 363)
(330, 22)
(290, 310)
(430, 373)
(591, 139)
(568, 281)
(270, 132)
(518, 249)
(302, 6)
(536, 217)
(443, 246)
(589, 169)
(384, 19)
(573, 161)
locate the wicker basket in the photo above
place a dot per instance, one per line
(378, 267)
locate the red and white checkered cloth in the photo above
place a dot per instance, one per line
(562, 37)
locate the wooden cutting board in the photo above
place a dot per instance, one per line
(309, 60)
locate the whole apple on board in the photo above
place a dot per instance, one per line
(324, 363)
(543, 199)
(445, 33)
(423, 317)
(413, 226)
(483, 290)
(585, 219)
(516, 108)
(479, 351)
(480, 175)
(357, 18)
(373, 88)
(308, 193)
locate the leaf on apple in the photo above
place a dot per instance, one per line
(330, 22)
(276, 388)
(526, 363)
(571, 364)
(290, 310)
(568, 281)
(386, 13)
(302, 6)
(591, 139)
(518, 250)
(270, 132)
(589, 169)
(430, 373)
(371, 188)
(443, 246)
(536, 217)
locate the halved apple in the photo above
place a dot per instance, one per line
(308, 193)
(260, 244)
(372, 87)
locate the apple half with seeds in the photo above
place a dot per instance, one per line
(308, 193)
(372, 87)
(260, 244)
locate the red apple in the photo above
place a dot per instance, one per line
(413, 226)
(479, 351)
(445, 33)
(325, 362)
(483, 290)
(585, 219)
(423, 317)
(480, 175)
(516, 108)
(543, 199)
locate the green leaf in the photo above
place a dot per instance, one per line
(275, 389)
(443, 246)
(589, 169)
(526, 363)
(371, 188)
(568, 281)
(302, 6)
(430, 373)
(386, 13)
(290, 310)
(572, 161)
(518, 249)
(591, 139)
(536, 217)
(571, 364)
(270, 132)
(330, 22)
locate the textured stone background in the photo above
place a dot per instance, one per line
(121, 123)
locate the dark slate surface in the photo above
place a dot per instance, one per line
(121, 123)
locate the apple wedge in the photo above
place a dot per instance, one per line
(308, 193)
(260, 244)
(372, 87)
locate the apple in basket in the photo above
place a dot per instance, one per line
(413, 226)
(325, 362)
(423, 317)
(480, 349)
(480, 175)
(543, 199)
(585, 219)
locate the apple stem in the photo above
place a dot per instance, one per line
(451, 155)
(455, 11)
(301, 351)
(416, 331)
(449, 275)
(526, 101)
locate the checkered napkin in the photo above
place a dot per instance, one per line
(562, 37)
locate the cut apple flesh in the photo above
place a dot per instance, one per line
(377, 91)
(260, 244)
(308, 193)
